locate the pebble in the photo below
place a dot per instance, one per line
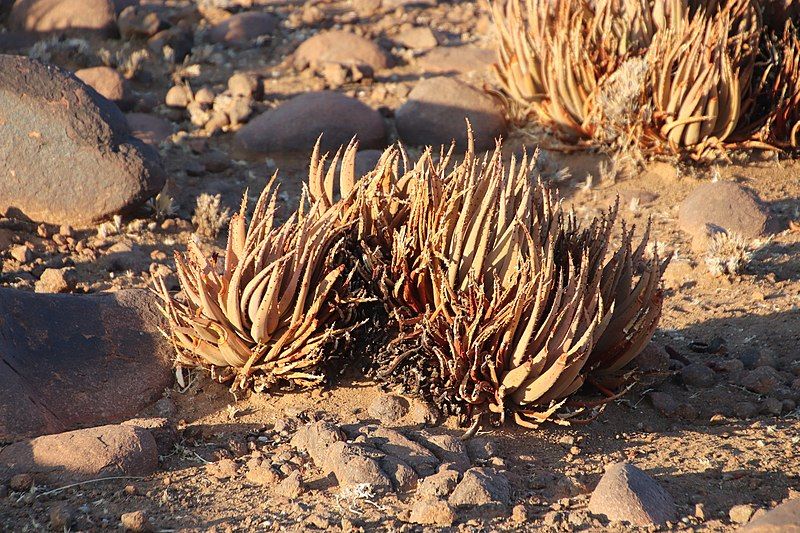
(388, 408)
(55, 280)
(741, 514)
(178, 96)
(292, 486)
(136, 521)
(698, 375)
(107, 82)
(62, 516)
(20, 482)
(430, 511)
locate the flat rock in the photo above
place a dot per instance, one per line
(83, 454)
(340, 47)
(149, 128)
(66, 153)
(436, 110)
(625, 493)
(64, 16)
(242, 28)
(107, 82)
(481, 486)
(785, 518)
(456, 59)
(295, 125)
(73, 361)
(723, 206)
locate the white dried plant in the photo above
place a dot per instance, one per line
(45, 50)
(727, 254)
(209, 218)
(163, 206)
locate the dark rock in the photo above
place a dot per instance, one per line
(73, 17)
(295, 125)
(448, 449)
(723, 206)
(481, 449)
(410, 452)
(67, 155)
(653, 359)
(625, 493)
(78, 360)
(243, 28)
(388, 408)
(698, 375)
(342, 48)
(745, 410)
(481, 486)
(785, 518)
(83, 454)
(21, 482)
(436, 110)
(62, 516)
(163, 432)
(664, 403)
(763, 380)
(402, 475)
(176, 39)
(438, 485)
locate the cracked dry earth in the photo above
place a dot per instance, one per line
(716, 424)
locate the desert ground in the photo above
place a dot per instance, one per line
(714, 417)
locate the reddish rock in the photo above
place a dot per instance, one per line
(625, 493)
(63, 16)
(66, 155)
(68, 361)
(82, 454)
(436, 110)
(433, 512)
(785, 518)
(295, 125)
(55, 280)
(149, 128)
(421, 38)
(106, 81)
(138, 21)
(340, 47)
(243, 28)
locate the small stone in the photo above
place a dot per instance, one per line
(165, 407)
(430, 511)
(700, 511)
(292, 486)
(21, 253)
(245, 85)
(423, 412)
(653, 359)
(55, 280)
(178, 96)
(334, 74)
(243, 28)
(204, 96)
(438, 485)
(21, 482)
(107, 82)
(481, 486)
(626, 493)
(745, 410)
(772, 406)
(730, 365)
(222, 469)
(136, 521)
(519, 515)
(340, 47)
(62, 515)
(421, 38)
(741, 514)
(763, 380)
(150, 129)
(698, 375)
(388, 408)
(664, 403)
(138, 21)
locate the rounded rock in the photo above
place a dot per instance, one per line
(295, 125)
(107, 82)
(340, 47)
(63, 16)
(626, 493)
(150, 129)
(437, 110)
(388, 408)
(136, 521)
(243, 28)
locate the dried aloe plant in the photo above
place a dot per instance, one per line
(269, 311)
(515, 299)
(783, 121)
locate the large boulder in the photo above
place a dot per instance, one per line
(70, 361)
(75, 456)
(64, 16)
(295, 125)
(66, 152)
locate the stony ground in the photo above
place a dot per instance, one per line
(716, 424)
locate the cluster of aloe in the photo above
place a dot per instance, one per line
(670, 76)
(490, 289)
